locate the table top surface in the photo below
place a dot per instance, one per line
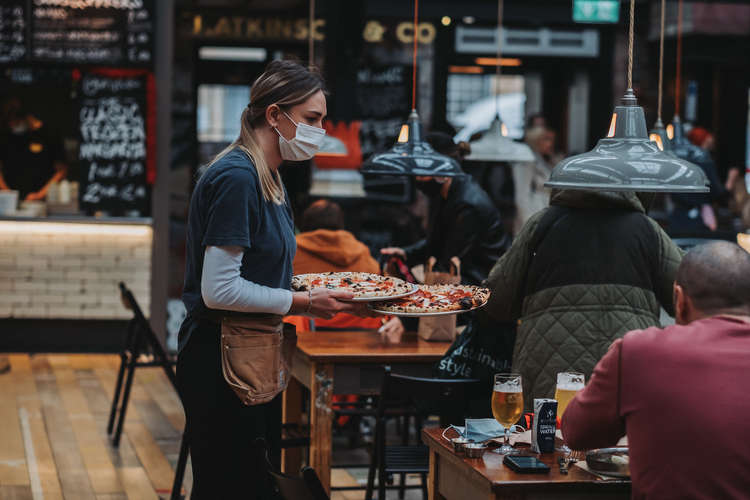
(490, 468)
(367, 347)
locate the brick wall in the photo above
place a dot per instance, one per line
(71, 271)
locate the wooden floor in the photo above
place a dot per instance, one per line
(53, 441)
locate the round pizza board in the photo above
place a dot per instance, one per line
(422, 315)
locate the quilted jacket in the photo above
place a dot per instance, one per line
(597, 268)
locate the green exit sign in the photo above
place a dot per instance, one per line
(596, 11)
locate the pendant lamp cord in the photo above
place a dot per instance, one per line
(630, 45)
(310, 41)
(414, 58)
(678, 76)
(499, 52)
(661, 61)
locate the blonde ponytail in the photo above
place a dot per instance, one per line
(271, 185)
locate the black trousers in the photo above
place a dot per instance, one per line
(221, 429)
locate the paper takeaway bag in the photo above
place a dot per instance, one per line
(440, 328)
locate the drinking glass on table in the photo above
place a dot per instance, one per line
(568, 385)
(507, 405)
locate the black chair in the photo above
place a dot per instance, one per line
(426, 395)
(141, 339)
(305, 487)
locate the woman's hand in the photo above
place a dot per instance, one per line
(392, 330)
(325, 303)
(394, 251)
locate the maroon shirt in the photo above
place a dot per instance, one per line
(683, 396)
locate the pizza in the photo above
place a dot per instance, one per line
(432, 299)
(362, 285)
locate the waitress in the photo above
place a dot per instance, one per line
(240, 247)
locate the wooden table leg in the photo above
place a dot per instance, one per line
(432, 479)
(291, 413)
(321, 421)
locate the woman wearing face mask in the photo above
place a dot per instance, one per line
(463, 222)
(240, 247)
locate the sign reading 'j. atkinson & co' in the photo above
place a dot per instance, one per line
(254, 28)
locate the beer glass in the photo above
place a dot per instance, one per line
(568, 385)
(507, 405)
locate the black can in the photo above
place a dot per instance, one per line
(545, 425)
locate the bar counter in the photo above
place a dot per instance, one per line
(68, 267)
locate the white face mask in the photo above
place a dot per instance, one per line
(303, 145)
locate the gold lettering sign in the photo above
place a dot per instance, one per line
(425, 33)
(253, 28)
(373, 32)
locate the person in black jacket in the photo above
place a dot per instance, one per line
(463, 222)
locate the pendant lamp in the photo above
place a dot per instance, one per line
(683, 148)
(331, 146)
(626, 160)
(680, 144)
(412, 155)
(493, 146)
(658, 133)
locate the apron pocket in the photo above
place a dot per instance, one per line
(256, 358)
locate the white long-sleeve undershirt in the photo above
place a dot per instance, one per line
(222, 287)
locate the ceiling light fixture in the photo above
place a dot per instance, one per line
(626, 160)
(411, 154)
(494, 146)
(331, 146)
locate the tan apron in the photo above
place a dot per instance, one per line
(256, 356)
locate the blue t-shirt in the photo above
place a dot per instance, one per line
(227, 209)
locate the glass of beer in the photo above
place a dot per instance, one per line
(568, 385)
(507, 405)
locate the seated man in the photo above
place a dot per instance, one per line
(324, 245)
(680, 393)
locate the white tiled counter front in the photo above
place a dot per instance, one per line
(69, 268)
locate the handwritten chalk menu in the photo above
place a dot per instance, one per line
(12, 31)
(112, 32)
(112, 154)
(383, 102)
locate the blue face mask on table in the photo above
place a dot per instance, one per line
(480, 429)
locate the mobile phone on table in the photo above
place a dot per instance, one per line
(525, 464)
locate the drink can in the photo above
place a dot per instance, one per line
(545, 425)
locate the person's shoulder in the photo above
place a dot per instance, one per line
(236, 165)
(472, 197)
(652, 338)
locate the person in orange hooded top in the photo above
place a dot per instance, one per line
(324, 245)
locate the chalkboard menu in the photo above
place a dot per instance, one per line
(112, 155)
(12, 31)
(383, 100)
(112, 32)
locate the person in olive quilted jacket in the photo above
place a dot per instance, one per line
(579, 275)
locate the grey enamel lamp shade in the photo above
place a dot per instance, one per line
(626, 160)
(412, 156)
(683, 148)
(493, 146)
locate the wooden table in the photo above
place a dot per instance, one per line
(329, 363)
(453, 477)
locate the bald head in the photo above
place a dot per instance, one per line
(716, 278)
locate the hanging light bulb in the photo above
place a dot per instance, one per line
(411, 155)
(670, 131)
(494, 145)
(331, 146)
(626, 160)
